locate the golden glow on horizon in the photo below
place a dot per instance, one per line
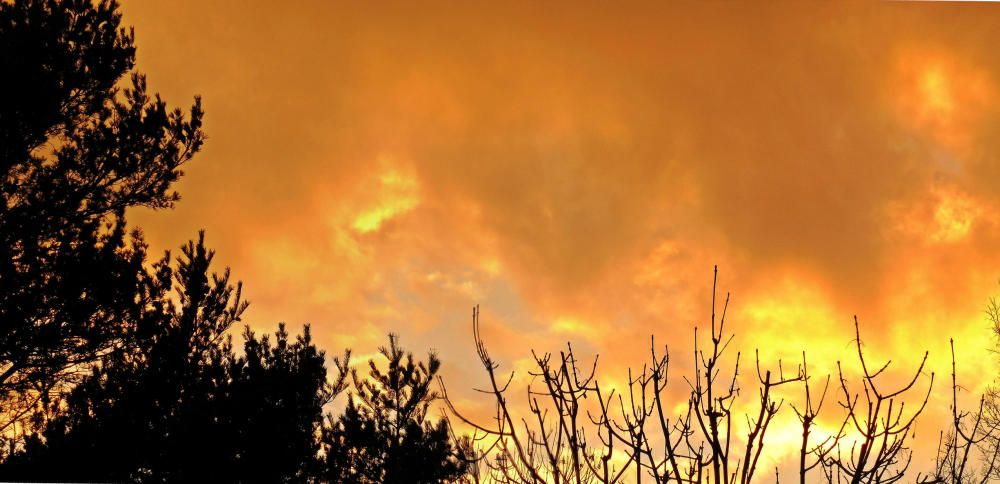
(792, 317)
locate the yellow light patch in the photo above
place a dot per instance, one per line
(776, 316)
(954, 216)
(942, 98)
(492, 266)
(937, 100)
(574, 326)
(397, 195)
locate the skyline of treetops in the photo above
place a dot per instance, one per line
(701, 243)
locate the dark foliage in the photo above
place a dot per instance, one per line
(75, 152)
(277, 402)
(177, 404)
(385, 435)
(113, 368)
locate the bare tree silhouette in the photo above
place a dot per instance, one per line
(967, 451)
(577, 430)
(880, 420)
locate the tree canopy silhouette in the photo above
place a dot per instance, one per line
(385, 434)
(176, 403)
(114, 367)
(75, 152)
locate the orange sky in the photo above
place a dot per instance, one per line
(577, 170)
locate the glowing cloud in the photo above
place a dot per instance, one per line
(397, 194)
(943, 98)
(831, 161)
(954, 216)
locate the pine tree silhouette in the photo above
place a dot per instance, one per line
(385, 435)
(177, 404)
(75, 152)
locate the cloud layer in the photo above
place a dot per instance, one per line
(578, 171)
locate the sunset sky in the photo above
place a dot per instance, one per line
(578, 170)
